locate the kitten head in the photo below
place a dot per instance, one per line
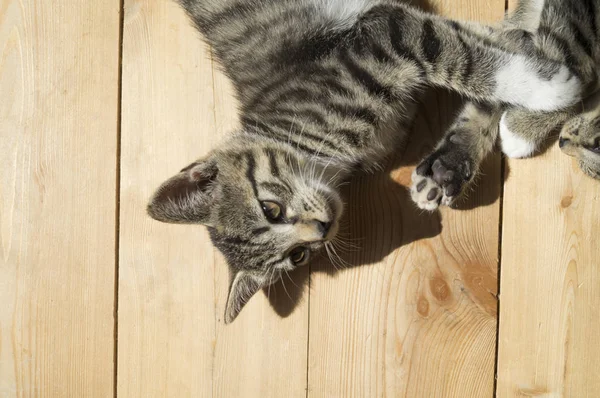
(580, 138)
(268, 209)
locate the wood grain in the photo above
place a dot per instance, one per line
(173, 285)
(550, 281)
(414, 313)
(58, 146)
(166, 295)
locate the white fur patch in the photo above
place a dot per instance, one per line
(514, 146)
(343, 11)
(519, 84)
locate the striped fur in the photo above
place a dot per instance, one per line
(563, 30)
(325, 86)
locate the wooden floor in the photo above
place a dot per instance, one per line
(97, 299)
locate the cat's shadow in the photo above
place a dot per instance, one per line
(380, 216)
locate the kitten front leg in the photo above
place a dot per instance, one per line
(441, 178)
(452, 56)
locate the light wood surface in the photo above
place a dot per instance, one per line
(413, 314)
(59, 64)
(167, 324)
(550, 285)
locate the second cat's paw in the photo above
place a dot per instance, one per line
(440, 179)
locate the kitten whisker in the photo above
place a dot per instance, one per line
(271, 277)
(285, 289)
(291, 280)
(331, 260)
(343, 262)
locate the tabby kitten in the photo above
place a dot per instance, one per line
(563, 30)
(326, 86)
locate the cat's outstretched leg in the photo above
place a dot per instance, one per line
(457, 56)
(441, 177)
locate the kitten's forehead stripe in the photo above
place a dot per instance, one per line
(250, 173)
(273, 162)
(277, 189)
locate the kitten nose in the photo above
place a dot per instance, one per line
(562, 142)
(324, 227)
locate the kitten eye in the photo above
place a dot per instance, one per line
(299, 255)
(273, 211)
(596, 147)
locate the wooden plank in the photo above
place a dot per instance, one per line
(173, 285)
(550, 281)
(166, 299)
(414, 315)
(58, 142)
(550, 294)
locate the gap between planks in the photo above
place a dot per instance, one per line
(118, 199)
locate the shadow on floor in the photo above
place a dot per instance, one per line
(380, 216)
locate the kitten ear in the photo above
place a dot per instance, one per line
(188, 197)
(243, 286)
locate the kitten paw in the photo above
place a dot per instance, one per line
(513, 145)
(520, 83)
(425, 192)
(440, 179)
